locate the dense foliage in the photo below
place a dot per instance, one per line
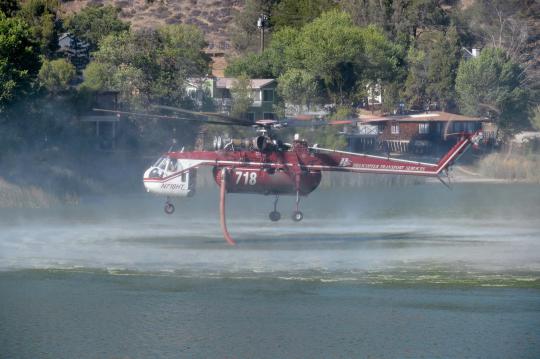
(93, 23)
(490, 85)
(408, 50)
(56, 75)
(148, 66)
(19, 59)
(330, 49)
(414, 52)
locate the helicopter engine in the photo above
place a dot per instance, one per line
(260, 143)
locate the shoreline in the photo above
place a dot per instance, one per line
(20, 196)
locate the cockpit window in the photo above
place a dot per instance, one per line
(163, 163)
(158, 162)
(172, 165)
(155, 173)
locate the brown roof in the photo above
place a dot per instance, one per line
(435, 116)
(228, 82)
(304, 117)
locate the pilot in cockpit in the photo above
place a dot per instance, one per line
(173, 165)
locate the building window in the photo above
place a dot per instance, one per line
(423, 128)
(470, 127)
(459, 127)
(394, 129)
(268, 116)
(255, 95)
(250, 116)
(268, 95)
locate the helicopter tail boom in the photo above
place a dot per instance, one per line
(363, 163)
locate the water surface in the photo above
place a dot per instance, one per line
(408, 272)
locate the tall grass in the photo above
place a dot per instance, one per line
(514, 167)
(14, 196)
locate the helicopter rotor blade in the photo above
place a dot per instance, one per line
(234, 120)
(167, 117)
(292, 122)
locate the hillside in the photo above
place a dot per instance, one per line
(215, 17)
(211, 16)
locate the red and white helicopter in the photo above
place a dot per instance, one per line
(266, 165)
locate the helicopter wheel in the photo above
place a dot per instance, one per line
(297, 216)
(274, 216)
(169, 208)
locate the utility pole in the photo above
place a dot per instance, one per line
(262, 23)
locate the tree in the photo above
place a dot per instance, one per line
(433, 65)
(298, 87)
(149, 66)
(253, 65)
(94, 22)
(41, 16)
(19, 59)
(344, 56)
(9, 7)
(508, 25)
(297, 13)
(56, 75)
(411, 16)
(98, 76)
(490, 85)
(271, 63)
(369, 12)
(331, 49)
(243, 30)
(499, 23)
(241, 95)
(401, 20)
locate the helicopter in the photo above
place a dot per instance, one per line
(266, 165)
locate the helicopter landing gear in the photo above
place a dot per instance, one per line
(297, 216)
(275, 215)
(169, 207)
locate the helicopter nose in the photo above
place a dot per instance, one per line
(146, 179)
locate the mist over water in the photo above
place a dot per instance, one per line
(400, 272)
(488, 234)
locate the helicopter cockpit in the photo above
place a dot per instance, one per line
(166, 176)
(163, 167)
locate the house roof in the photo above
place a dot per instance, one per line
(64, 35)
(435, 116)
(198, 81)
(228, 82)
(304, 117)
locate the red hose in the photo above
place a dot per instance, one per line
(222, 193)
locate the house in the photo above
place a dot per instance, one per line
(418, 133)
(374, 95)
(262, 94)
(220, 90)
(74, 50)
(467, 55)
(103, 124)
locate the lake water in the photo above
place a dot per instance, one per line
(406, 272)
